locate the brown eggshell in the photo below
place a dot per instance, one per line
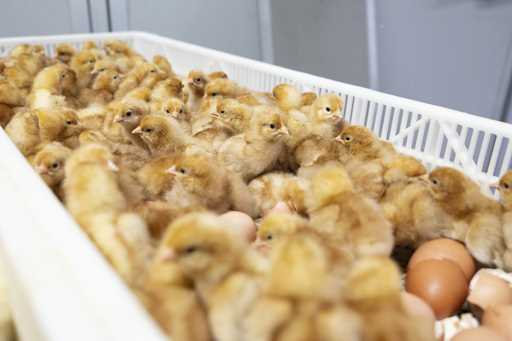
(445, 249)
(478, 334)
(241, 223)
(487, 290)
(499, 319)
(440, 283)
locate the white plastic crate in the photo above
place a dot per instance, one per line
(63, 289)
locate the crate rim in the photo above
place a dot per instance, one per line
(437, 112)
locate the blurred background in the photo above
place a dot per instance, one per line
(454, 53)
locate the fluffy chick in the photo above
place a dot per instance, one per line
(195, 87)
(65, 52)
(224, 271)
(505, 189)
(104, 85)
(49, 163)
(167, 89)
(359, 142)
(288, 97)
(233, 116)
(274, 226)
(51, 87)
(223, 87)
(11, 95)
(21, 68)
(259, 148)
(373, 289)
(271, 188)
(176, 109)
(351, 219)
(83, 64)
(214, 187)
(479, 215)
(163, 135)
(93, 196)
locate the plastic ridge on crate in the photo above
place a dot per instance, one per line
(63, 289)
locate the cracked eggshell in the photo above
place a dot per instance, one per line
(499, 318)
(487, 289)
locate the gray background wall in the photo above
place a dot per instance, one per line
(456, 53)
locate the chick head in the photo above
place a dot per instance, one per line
(217, 74)
(85, 60)
(193, 171)
(232, 114)
(197, 82)
(505, 188)
(103, 65)
(300, 267)
(268, 124)
(373, 280)
(65, 52)
(202, 246)
(327, 108)
(117, 47)
(162, 64)
(276, 225)
(327, 184)
(90, 154)
(221, 87)
(287, 96)
(154, 130)
(67, 79)
(49, 162)
(107, 79)
(129, 113)
(356, 139)
(447, 183)
(72, 126)
(175, 108)
(174, 86)
(308, 98)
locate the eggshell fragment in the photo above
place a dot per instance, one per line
(499, 319)
(445, 249)
(240, 223)
(440, 283)
(478, 334)
(486, 290)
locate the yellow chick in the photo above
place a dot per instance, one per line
(373, 289)
(195, 87)
(258, 149)
(142, 75)
(163, 135)
(224, 271)
(353, 220)
(65, 52)
(175, 108)
(215, 188)
(49, 163)
(233, 116)
(505, 190)
(124, 57)
(274, 226)
(167, 89)
(23, 130)
(479, 215)
(20, 69)
(6, 113)
(288, 97)
(104, 85)
(83, 64)
(10, 95)
(52, 87)
(163, 65)
(93, 196)
(223, 87)
(271, 188)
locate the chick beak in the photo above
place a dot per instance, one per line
(41, 170)
(118, 119)
(112, 166)
(167, 255)
(495, 185)
(172, 170)
(215, 115)
(137, 131)
(284, 130)
(339, 139)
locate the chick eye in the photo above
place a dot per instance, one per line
(214, 94)
(272, 126)
(167, 111)
(153, 71)
(148, 130)
(63, 76)
(181, 111)
(128, 114)
(269, 237)
(435, 182)
(506, 186)
(182, 170)
(55, 165)
(197, 80)
(348, 138)
(190, 249)
(222, 111)
(115, 77)
(91, 61)
(327, 109)
(103, 69)
(70, 122)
